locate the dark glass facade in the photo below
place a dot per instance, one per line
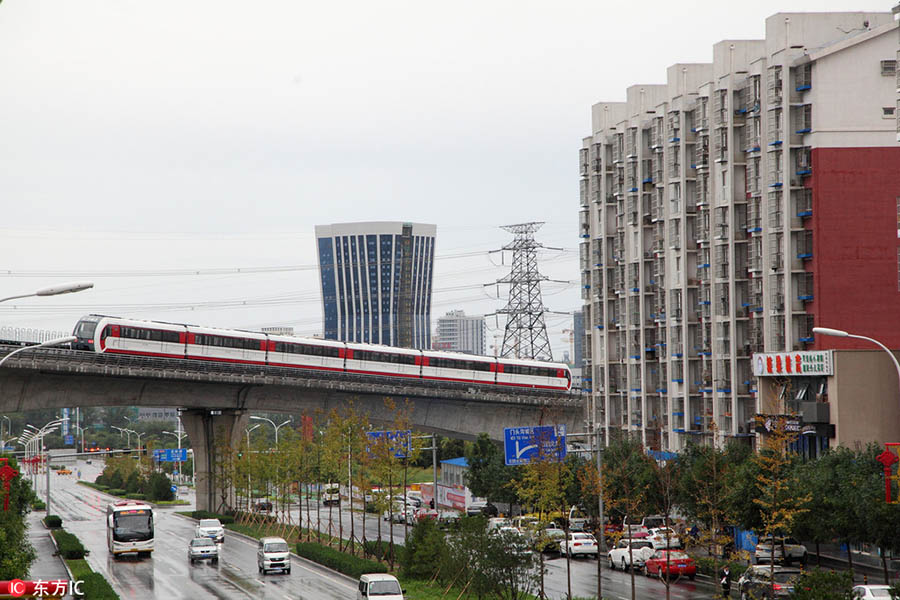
(364, 290)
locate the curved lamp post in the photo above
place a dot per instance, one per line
(272, 423)
(55, 290)
(841, 333)
(56, 342)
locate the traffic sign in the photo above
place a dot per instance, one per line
(69, 440)
(399, 441)
(170, 455)
(522, 445)
(174, 489)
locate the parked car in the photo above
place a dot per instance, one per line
(497, 523)
(619, 556)
(662, 537)
(786, 551)
(379, 586)
(423, 514)
(548, 540)
(202, 548)
(398, 510)
(272, 554)
(64, 471)
(579, 544)
(482, 508)
(263, 506)
(210, 528)
(448, 518)
(516, 542)
(670, 564)
(872, 592)
(756, 582)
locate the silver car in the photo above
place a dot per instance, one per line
(203, 548)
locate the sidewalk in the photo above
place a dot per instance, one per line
(48, 565)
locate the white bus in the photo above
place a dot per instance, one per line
(129, 528)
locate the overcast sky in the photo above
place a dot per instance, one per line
(150, 137)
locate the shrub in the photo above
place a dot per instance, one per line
(824, 585)
(38, 505)
(134, 484)
(136, 496)
(117, 492)
(53, 521)
(114, 480)
(423, 552)
(159, 487)
(96, 587)
(69, 546)
(705, 567)
(205, 514)
(381, 549)
(334, 559)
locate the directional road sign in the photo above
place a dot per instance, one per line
(525, 444)
(68, 440)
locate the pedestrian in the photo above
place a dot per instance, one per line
(726, 582)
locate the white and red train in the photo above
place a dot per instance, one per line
(112, 335)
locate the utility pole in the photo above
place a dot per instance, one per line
(526, 333)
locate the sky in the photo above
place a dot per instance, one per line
(180, 154)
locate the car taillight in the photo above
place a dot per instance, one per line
(577, 544)
(776, 587)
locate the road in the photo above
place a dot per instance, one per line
(168, 574)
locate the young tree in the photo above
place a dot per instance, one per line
(627, 480)
(780, 502)
(487, 476)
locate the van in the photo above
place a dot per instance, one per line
(331, 494)
(379, 586)
(272, 553)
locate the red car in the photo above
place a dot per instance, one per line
(679, 565)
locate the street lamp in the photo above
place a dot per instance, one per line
(139, 435)
(248, 430)
(55, 290)
(127, 432)
(271, 422)
(8, 432)
(55, 342)
(841, 333)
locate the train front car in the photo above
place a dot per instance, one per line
(533, 374)
(84, 332)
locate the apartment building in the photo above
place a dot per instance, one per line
(457, 332)
(726, 212)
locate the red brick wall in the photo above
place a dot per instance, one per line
(855, 243)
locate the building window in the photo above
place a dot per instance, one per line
(888, 68)
(887, 112)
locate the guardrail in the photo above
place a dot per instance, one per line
(62, 361)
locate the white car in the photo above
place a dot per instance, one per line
(657, 537)
(210, 528)
(518, 544)
(786, 551)
(872, 592)
(620, 557)
(579, 544)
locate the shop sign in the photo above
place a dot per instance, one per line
(771, 364)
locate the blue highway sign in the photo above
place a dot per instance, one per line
(398, 440)
(525, 444)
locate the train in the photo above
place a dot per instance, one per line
(113, 335)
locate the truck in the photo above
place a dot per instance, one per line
(331, 494)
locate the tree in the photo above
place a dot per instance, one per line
(824, 585)
(780, 502)
(628, 479)
(487, 476)
(16, 553)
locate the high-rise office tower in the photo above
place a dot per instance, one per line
(376, 282)
(727, 211)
